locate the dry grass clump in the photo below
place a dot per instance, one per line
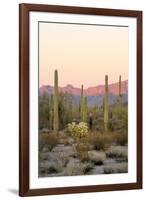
(100, 141)
(82, 151)
(120, 138)
(50, 140)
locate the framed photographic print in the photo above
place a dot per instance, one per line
(80, 99)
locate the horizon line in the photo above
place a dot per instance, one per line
(68, 84)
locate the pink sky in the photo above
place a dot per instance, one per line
(82, 54)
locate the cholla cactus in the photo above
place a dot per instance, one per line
(106, 106)
(78, 130)
(56, 115)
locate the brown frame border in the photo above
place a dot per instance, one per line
(24, 10)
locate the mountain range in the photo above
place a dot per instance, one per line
(94, 94)
(90, 91)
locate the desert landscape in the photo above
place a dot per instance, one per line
(83, 131)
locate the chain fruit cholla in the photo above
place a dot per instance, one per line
(78, 130)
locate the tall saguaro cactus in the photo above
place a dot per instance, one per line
(56, 101)
(84, 118)
(70, 108)
(106, 106)
(51, 112)
(83, 106)
(120, 91)
(81, 103)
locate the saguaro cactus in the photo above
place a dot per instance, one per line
(84, 117)
(56, 101)
(70, 108)
(120, 91)
(51, 112)
(83, 106)
(106, 106)
(81, 103)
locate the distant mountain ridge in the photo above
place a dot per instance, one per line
(91, 91)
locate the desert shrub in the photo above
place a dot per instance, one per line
(51, 166)
(40, 156)
(78, 130)
(97, 157)
(88, 167)
(117, 152)
(43, 111)
(98, 121)
(82, 151)
(66, 139)
(100, 141)
(73, 169)
(120, 138)
(52, 170)
(66, 142)
(119, 120)
(116, 168)
(50, 140)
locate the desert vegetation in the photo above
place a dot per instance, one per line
(78, 139)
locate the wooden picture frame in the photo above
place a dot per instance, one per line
(24, 81)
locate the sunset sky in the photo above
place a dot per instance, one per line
(82, 54)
